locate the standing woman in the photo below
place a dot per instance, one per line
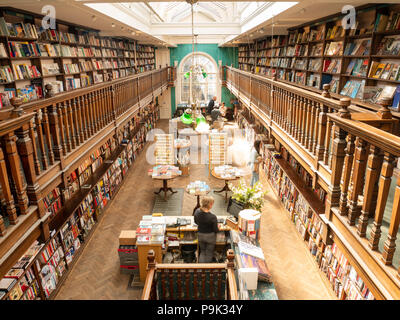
(207, 229)
(255, 160)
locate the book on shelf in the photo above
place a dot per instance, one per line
(389, 46)
(393, 21)
(352, 88)
(24, 71)
(50, 69)
(385, 71)
(52, 201)
(20, 30)
(29, 92)
(381, 22)
(334, 49)
(6, 74)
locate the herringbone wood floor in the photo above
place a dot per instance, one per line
(96, 274)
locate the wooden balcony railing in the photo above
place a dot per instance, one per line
(191, 280)
(351, 152)
(41, 140)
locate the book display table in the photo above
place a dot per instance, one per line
(216, 174)
(164, 173)
(197, 188)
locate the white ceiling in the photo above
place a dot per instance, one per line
(169, 23)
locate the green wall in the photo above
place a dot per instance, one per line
(227, 55)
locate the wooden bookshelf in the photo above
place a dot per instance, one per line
(78, 56)
(291, 57)
(85, 207)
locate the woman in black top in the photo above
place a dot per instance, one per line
(207, 229)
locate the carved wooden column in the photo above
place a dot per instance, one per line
(64, 128)
(69, 117)
(372, 177)
(384, 186)
(303, 120)
(46, 126)
(85, 121)
(38, 119)
(25, 151)
(390, 244)
(55, 121)
(298, 117)
(307, 134)
(348, 166)
(79, 116)
(338, 154)
(34, 147)
(317, 110)
(360, 158)
(75, 121)
(5, 187)
(328, 138)
(15, 168)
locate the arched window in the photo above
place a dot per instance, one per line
(205, 87)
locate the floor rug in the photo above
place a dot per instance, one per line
(172, 206)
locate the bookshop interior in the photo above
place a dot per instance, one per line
(199, 150)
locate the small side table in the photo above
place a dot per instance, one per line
(165, 187)
(226, 186)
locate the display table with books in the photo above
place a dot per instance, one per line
(165, 173)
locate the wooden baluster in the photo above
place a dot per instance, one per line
(220, 285)
(317, 110)
(384, 186)
(55, 123)
(179, 284)
(91, 113)
(106, 106)
(75, 118)
(72, 137)
(307, 136)
(15, 168)
(38, 119)
(99, 111)
(290, 110)
(81, 135)
(85, 120)
(212, 288)
(171, 285)
(338, 146)
(34, 147)
(203, 283)
(303, 120)
(298, 117)
(389, 246)
(66, 127)
(360, 158)
(25, 148)
(348, 166)
(374, 161)
(163, 284)
(328, 139)
(5, 187)
(94, 111)
(195, 283)
(46, 127)
(187, 278)
(61, 127)
(311, 136)
(103, 107)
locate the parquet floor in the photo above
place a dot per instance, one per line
(96, 274)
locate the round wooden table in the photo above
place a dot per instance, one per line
(198, 194)
(165, 187)
(226, 186)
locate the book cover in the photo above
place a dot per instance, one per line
(379, 70)
(396, 98)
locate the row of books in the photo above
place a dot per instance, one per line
(387, 22)
(21, 30)
(52, 261)
(347, 284)
(24, 71)
(386, 71)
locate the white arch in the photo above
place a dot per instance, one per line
(180, 66)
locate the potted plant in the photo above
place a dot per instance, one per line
(245, 197)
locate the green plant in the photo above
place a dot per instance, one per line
(251, 197)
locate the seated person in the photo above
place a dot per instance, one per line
(215, 113)
(211, 104)
(222, 109)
